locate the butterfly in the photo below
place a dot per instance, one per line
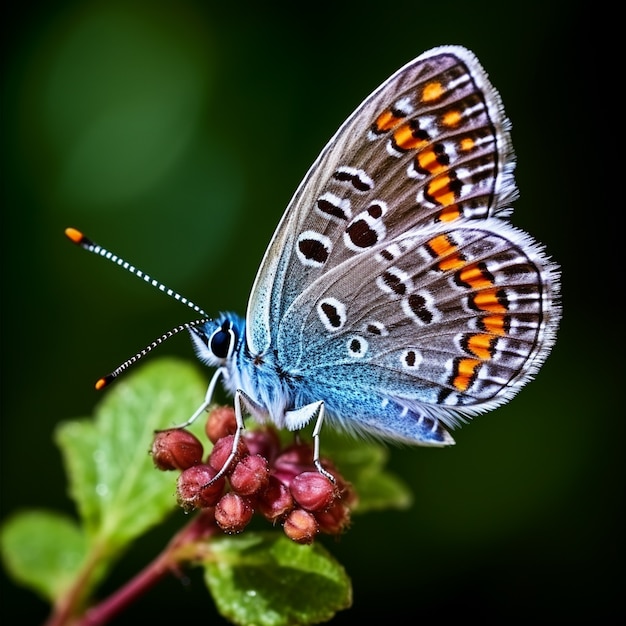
(395, 299)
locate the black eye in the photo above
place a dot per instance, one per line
(221, 340)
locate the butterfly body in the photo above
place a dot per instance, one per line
(290, 396)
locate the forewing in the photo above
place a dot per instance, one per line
(430, 147)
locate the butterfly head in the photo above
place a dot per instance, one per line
(216, 340)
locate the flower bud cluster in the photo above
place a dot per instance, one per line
(279, 483)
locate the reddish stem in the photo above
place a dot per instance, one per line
(178, 552)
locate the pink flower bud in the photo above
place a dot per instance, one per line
(312, 491)
(294, 460)
(250, 476)
(195, 490)
(222, 450)
(335, 519)
(233, 512)
(263, 441)
(300, 526)
(276, 501)
(220, 423)
(176, 449)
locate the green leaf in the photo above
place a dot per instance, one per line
(380, 491)
(43, 551)
(118, 491)
(362, 463)
(267, 580)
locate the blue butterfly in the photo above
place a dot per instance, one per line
(395, 300)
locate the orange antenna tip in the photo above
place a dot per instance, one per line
(101, 384)
(74, 235)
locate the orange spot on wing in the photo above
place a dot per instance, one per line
(495, 324)
(449, 213)
(452, 263)
(475, 277)
(466, 370)
(386, 121)
(440, 191)
(451, 118)
(492, 300)
(441, 245)
(427, 161)
(467, 144)
(405, 140)
(481, 346)
(432, 91)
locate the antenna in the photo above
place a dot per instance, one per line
(105, 381)
(77, 237)
(84, 242)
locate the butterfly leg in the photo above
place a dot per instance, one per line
(296, 419)
(316, 444)
(208, 397)
(243, 402)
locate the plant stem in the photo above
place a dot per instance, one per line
(65, 608)
(181, 549)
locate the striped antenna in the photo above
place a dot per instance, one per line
(84, 242)
(109, 378)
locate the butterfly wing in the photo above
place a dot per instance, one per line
(450, 321)
(393, 267)
(430, 144)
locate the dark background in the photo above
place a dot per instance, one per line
(175, 133)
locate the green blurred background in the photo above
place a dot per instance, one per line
(175, 133)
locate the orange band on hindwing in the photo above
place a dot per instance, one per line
(496, 324)
(464, 373)
(492, 300)
(481, 346)
(475, 276)
(442, 247)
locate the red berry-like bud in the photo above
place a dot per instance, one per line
(343, 489)
(312, 491)
(233, 512)
(276, 501)
(297, 454)
(220, 423)
(346, 491)
(176, 449)
(222, 450)
(294, 460)
(264, 441)
(300, 526)
(335, 519)
(250, 476)
(195, 490)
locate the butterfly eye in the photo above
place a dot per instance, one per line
(222, 341)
